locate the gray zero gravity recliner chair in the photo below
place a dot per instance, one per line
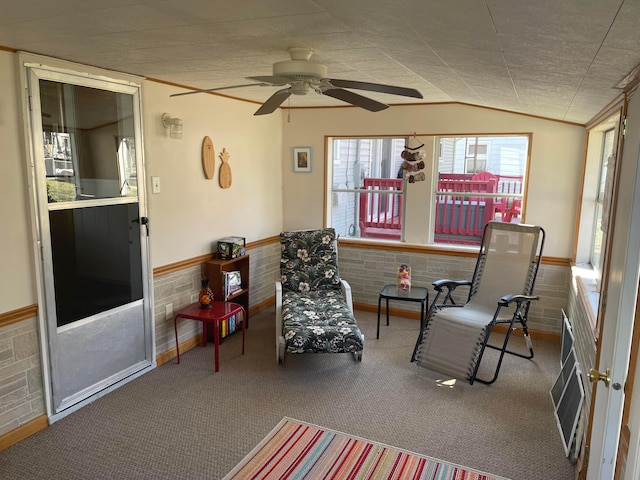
(453, 337)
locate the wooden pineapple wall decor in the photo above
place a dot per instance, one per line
(208, 164)
(225, 170)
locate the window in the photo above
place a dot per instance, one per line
(594, 219)
(480, 179)
(599, 222)
(476, 159)
(446, 196)
(597, 188)
(373, 164)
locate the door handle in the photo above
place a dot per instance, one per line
(596, 376)
(142, 221)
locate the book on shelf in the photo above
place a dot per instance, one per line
(232, 282)
(231, 324)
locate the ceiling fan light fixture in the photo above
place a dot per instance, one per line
(299, 88)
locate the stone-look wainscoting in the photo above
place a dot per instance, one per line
(581, 316)
(369, 269)
(265, 271)
(180, 288)
(21, 394)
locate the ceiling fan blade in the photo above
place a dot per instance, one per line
(274, 101)
(220, 88)
(273, 80)
(376, 87)
(355, 99)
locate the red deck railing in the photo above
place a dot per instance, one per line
(381, 213)
(460, 216)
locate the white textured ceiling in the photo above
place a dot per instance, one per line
(555, 58)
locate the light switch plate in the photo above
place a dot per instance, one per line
(155, 184)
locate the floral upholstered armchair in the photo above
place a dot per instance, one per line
(314, 311)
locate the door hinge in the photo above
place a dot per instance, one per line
(624, 127)
(582, 475)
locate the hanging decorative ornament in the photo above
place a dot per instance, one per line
(207, 158)
(224, 178)
(414, 160)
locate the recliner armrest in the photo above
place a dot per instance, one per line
(507, 299)
(451, 285)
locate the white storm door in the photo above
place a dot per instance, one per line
(621, 298)
(88, 172)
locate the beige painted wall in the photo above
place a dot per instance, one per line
(17, 287)
(192, 212)
(554, 174)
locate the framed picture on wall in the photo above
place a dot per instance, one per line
(302, 159)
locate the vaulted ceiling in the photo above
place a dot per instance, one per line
(555, 58)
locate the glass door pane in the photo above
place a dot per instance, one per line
(88, 134)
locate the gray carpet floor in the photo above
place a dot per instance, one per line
(186, 421)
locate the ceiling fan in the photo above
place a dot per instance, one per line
(303, 75)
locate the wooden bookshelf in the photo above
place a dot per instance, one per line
(214, 270)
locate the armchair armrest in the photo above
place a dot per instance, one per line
(278, 308)
(346, 292)
(279, 337)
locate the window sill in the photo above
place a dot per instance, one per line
(379, 244)
(588, 293)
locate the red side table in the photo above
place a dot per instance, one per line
(219, 311)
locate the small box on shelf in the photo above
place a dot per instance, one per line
(237, 271)
(232, 282)
(231, 247)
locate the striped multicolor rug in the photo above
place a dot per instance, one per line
(299, 450)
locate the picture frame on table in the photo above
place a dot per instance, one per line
(302, 159)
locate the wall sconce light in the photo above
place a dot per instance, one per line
(173, 124)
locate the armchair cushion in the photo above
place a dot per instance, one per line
(309, 260)
(319, 321)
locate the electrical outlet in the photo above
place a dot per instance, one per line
(168, 311)
(194, 297)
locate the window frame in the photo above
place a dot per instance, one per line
(592, 279)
